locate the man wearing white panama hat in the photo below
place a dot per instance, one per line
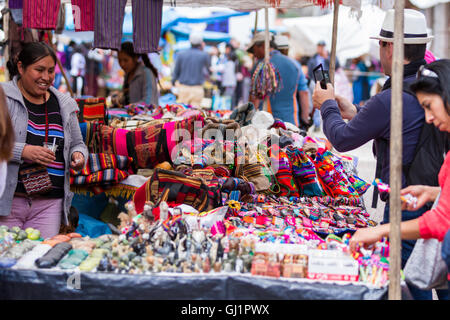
(372, 121)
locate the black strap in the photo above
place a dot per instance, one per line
(162, 143)
(174, 190)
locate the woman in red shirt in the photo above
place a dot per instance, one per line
(432, 88)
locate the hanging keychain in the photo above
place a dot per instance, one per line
(383, 188)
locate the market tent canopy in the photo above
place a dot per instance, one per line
(352, 37)
(425, 4)
(171, 20)
(237, 4)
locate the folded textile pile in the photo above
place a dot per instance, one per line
(102, 171)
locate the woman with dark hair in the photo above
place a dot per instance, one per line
(432, 88)
(48, 142)
(141, 78)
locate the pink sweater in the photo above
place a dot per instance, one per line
(436, 222)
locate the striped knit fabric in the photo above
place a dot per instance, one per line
(147, 18)
(304, 172)
(356, 183)
(15, 4)
(83, 14)
(91, 109)
(40, 14)
(333, 181)
(108, 23)
(284, 175)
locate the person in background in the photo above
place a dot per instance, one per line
(141, 78)
(229, 80)
(78, 70)
(372, 121)
(432, 88)
(282, 104)
(6, 140)
(361, 87)
(302, 92)
(191, 69)
(320, 57)
(58, 71)
(246, 66)
(68, 51)
(93, 69)
(40, 114)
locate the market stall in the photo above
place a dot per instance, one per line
(249, 205)
(246, 220)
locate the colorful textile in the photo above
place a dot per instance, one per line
(102, 161)
(304, 172)
(40, 14)
(148, 146)
(284, 172)
(147, 18)
(83, 14)
(91, 109)
(102, 170)
(176, 188)
(108, 23)
(332, 180)
(91, 132)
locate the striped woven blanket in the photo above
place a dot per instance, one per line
(102, 171)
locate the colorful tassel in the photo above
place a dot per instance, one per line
(266, 80)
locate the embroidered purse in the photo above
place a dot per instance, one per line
(35, 179)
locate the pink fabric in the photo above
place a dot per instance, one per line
(121, 142)
(43, 215)
(429, 56)
(83, 13)
(170, 128)
(40, 14)
(436, 222)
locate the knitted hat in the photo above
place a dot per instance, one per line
(304, 172)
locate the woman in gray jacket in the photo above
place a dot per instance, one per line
(47, 136)
(141, 78)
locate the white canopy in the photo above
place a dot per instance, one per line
(232, 4)
(241, 4)
(352, 37)
(425, 4)
(237, 4)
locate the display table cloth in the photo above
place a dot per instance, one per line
(49, 284)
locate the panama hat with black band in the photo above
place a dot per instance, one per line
(415, 28)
